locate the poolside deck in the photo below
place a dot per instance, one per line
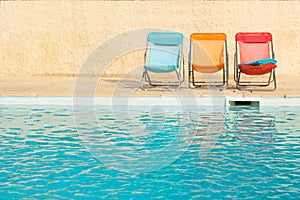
(287, 86)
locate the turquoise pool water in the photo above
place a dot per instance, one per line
(242, 153)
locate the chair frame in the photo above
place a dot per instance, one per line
(180, 73)
(213, 85)
(245, 84)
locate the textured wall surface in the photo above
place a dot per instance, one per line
(55, 37)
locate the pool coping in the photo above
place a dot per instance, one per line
(136, 100)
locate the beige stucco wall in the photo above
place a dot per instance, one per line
(55, 37)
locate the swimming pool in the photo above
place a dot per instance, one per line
(237, 153)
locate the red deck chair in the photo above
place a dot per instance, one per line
(250, 48)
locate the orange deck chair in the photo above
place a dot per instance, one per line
(254, 57)
(209, 57)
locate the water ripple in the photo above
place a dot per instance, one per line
(256, 156)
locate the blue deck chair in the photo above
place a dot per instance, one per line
(163, 55)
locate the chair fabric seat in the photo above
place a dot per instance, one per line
(161, 68)
(257, 69)
(207, 69)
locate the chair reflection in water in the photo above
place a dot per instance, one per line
(250, 125)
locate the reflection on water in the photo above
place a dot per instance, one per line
(242, 153)
(251, 125)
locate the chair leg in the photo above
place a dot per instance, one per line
(179, 81)
(221, 84)
(189, 79)
(223, 76)
(238, 80)
(193, 78)
(269, 81)
(272, 78)
(181, 74)
(143, 79)
(146, 79)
